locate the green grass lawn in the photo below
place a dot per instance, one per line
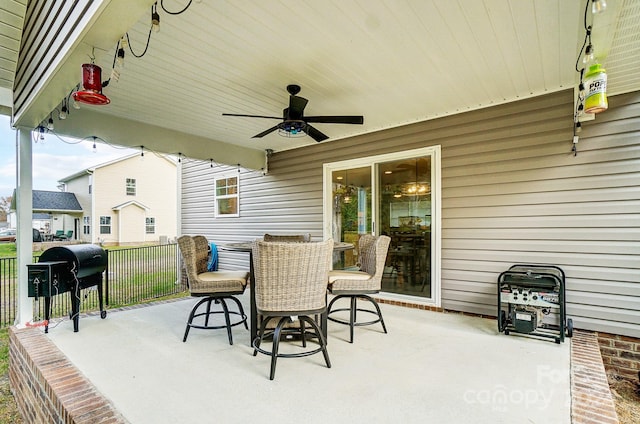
(7, 250)
(8, 408)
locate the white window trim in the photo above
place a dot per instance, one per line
(227, 196)
(100, 225)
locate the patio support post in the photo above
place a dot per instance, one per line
(24, 213)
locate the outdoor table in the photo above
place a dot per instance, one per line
(247, 246)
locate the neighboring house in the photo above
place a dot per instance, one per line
(127, 201)
(506, 188)
(52, 211)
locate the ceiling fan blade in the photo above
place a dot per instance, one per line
(315, 134)
(269, 131)
(296, 106)
(252, 116)
(335, 119)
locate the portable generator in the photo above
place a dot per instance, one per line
(531, 301)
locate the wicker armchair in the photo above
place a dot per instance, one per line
(295, 238)
(214, 287)
(359, 284)
(291, 281)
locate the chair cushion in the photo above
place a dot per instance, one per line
(347, 275)
(240, 276)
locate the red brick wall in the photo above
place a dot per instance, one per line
(48, 388)
(620, 354)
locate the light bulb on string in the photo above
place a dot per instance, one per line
(41, 134)
(120, 57)
(50, 126)
(210, 163)
(155, 19)
(589, 55)
(598, 6)
(63, 111)
(95, 150)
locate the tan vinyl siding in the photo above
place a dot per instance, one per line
(512, 192)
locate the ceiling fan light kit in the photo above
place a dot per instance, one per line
(295, 124)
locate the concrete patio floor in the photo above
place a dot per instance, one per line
(431, 367)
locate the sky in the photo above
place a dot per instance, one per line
(53, 160)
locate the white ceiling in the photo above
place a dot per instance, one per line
(394, 62)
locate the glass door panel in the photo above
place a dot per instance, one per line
(352, 211)
(404, 205)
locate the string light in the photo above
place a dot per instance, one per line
(141, 151)
(598, 6)
(155, 18)
(63, 111)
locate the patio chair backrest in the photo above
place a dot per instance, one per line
(291, 276)
(373, 255)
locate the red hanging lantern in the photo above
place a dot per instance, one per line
(92, 84)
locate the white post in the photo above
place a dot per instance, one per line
(24, 214)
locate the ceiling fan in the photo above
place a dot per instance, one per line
(294, 123)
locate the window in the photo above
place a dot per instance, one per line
(131, 186)
(150, 225)
(86, 225)
(226, 194)
(105, 225)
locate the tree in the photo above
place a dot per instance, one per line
(5, 205)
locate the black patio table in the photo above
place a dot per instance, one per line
(247, 246)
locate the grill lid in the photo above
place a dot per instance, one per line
(83, 259)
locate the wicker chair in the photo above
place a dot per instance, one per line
(291, 281)
(214, 287)
(359, 284)
(295, 238)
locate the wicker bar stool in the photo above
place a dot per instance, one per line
(291, 284)
(215, 287)
(360, 284)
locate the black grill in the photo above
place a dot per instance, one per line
(70, 269)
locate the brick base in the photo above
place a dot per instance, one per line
(620, 354)
(48, 388)
(592, 402)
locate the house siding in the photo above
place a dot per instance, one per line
(512, 192)
(80, 187)
(156, 188)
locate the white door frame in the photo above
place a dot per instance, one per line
(436, 206)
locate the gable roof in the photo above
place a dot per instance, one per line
(129, 203)
(50, 201)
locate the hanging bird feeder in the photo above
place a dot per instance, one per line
(92, 84)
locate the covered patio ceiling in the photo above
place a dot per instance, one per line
(394, 62)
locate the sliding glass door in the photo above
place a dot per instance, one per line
(394, 195)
